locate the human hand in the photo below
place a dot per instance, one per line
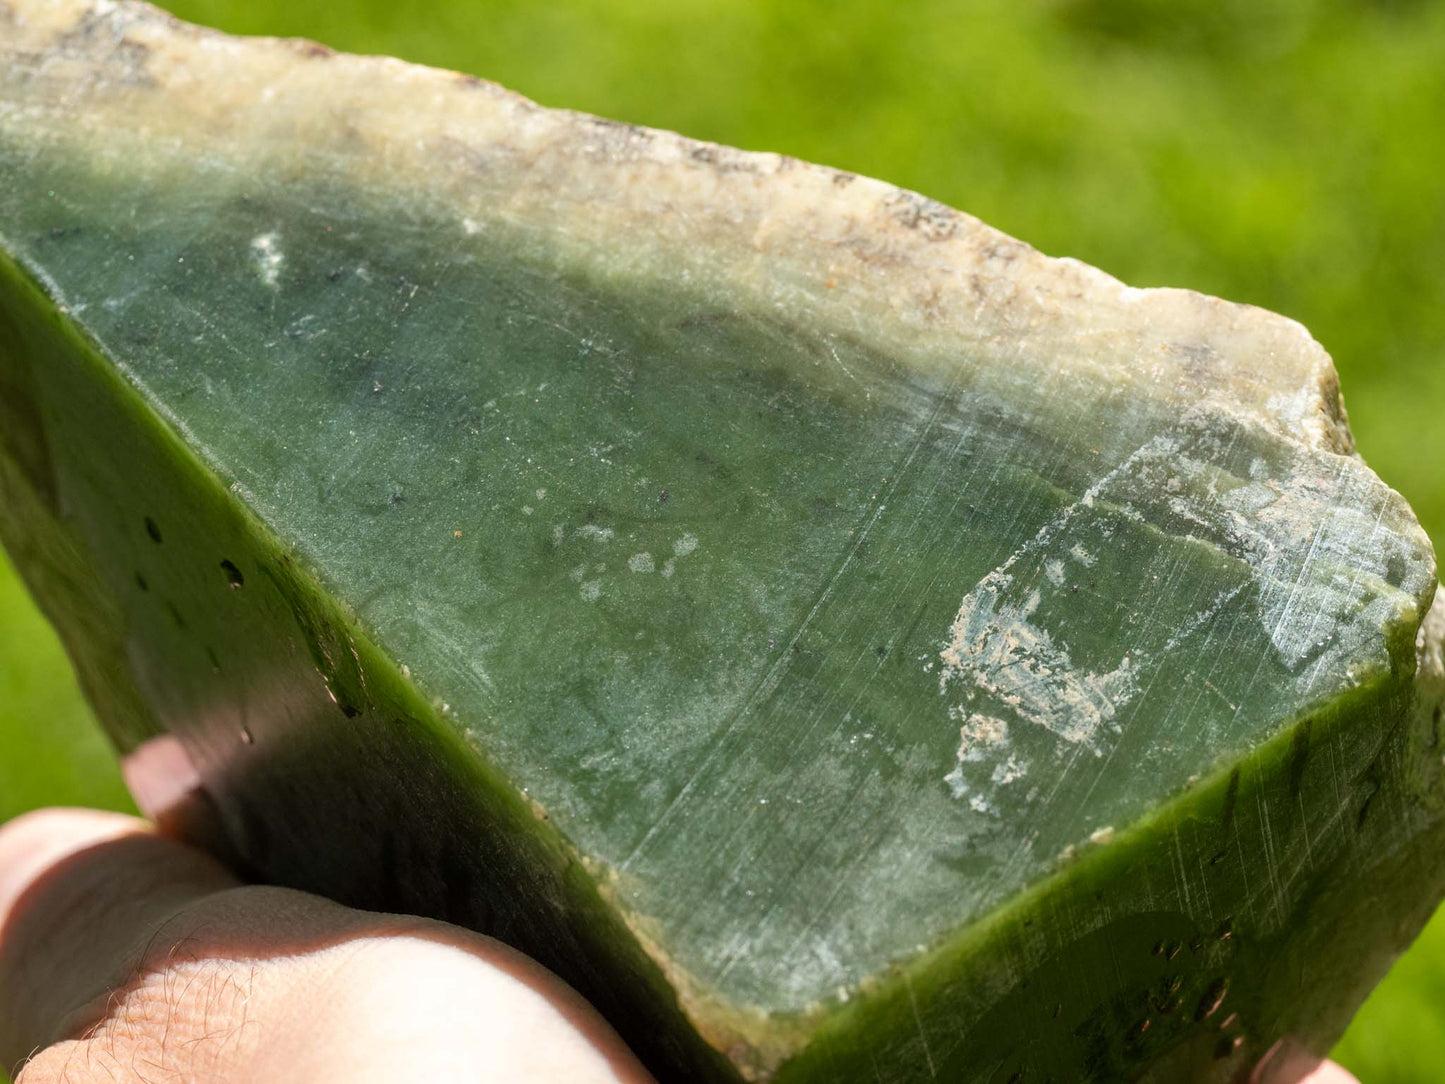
(125, 956)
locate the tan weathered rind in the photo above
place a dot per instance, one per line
(858, 257)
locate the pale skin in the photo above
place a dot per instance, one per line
(125, 956)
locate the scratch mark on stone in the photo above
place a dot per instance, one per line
(775, 672)
(918, 1020)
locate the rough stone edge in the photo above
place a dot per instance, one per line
(851, 252)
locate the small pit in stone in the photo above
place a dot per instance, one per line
(234, 578)
(153, 530)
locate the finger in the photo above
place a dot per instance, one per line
(1289, 1061)
(1330, 1073)
(119, 948)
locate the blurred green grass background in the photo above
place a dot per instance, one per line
(1288, 153)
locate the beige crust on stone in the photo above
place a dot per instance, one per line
(857, 256)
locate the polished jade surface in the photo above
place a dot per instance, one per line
(820, 638)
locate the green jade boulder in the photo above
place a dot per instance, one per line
(845, 643)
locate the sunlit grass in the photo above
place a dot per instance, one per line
(51, 753)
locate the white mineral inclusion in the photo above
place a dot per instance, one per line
(684, 546)
(266, 251)
(642, 562)
(1307, 555)
(1010, 770)
(978, 738)
(995, 646)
